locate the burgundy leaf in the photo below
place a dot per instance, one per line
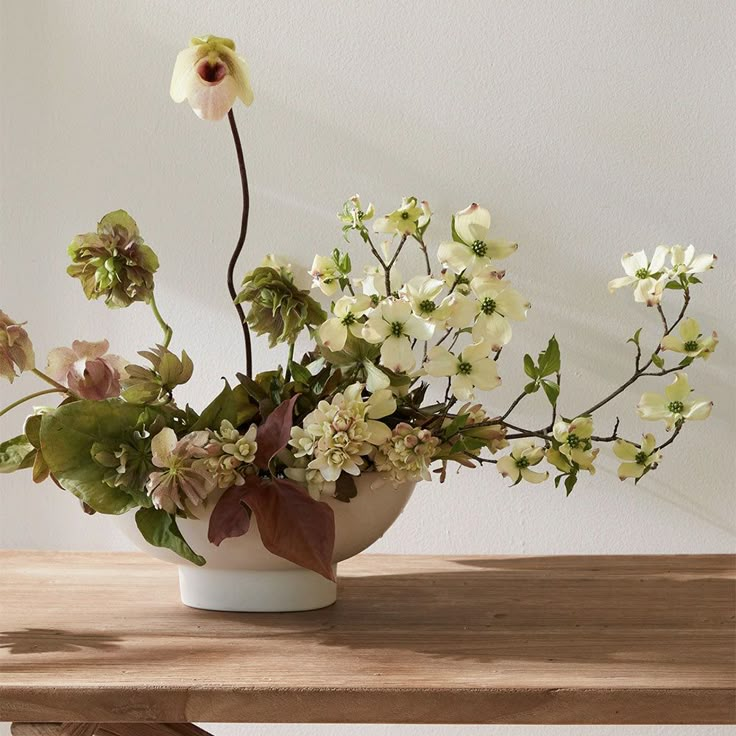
(230, 518)
(273, 435)
(292, 524)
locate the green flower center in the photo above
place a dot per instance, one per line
(360, 214)
(397, 329)
(522, 462)
(676, 407)
(642, 273)
(691, 346)
(348, 319)
(573, 440)
(464, 368)
(479, 248)
(404, 215)
(488, 306)
(427, 306)
(641, 457)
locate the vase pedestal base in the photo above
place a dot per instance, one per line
(254, 591)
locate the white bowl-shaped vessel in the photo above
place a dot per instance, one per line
(242, 575)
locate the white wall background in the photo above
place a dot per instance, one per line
(588, 129)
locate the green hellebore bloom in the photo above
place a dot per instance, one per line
(114, 263)
(278, 307)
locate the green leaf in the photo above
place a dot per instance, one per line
(531, 387)
(300, 373)
(695, 280)
(159, 529)
(686, 361)
(657, 360)
(16, 454)
(552, 390)
(529, 367)
(635, 337)
(673, 285)
(67, 435)
(455, 425)
(233, 404)
(549, 358)
(570, 482)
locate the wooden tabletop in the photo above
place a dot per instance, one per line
(103, 637)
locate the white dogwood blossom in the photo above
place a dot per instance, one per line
(574, 443)
(472, 251)
(636, 460)
(684, 261)
(393, 325)
(525, 453)
(647, 277)
(691, 342)
(675, 406)
(496, 304)
(470, 369)
(347, 310)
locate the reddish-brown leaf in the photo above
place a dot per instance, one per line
(274, 433)
(292, 524)
(230, 518)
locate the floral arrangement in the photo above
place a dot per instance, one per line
(275, 445)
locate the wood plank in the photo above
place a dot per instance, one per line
(628, 639)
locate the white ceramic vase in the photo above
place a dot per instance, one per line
(242, 575)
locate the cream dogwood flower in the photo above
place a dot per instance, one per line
(472, 251)
(347, 310)
(496, 304)
(393, 325)
(325, 275)
(675, 406)
(422, 292)
(645, 276)
(406, 220)
(525, 453)
(353, 215)
(691, 342)
(685, 262)
(470, 369)
(575, 444)
(637, 460)
(210, 75)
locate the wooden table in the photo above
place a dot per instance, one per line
(96, 639)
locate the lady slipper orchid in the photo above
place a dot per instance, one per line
(472, 368)
(471, 250)
(675, 406)
(211, 76)
(87, 369)
(16, 350)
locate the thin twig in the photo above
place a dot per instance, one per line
(241, 242)
(678, 428)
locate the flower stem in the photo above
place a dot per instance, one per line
(168, 332)
(289, 359)
(241, 241)
(28, 398)
(58, 386)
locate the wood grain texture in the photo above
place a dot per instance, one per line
(635, 639)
